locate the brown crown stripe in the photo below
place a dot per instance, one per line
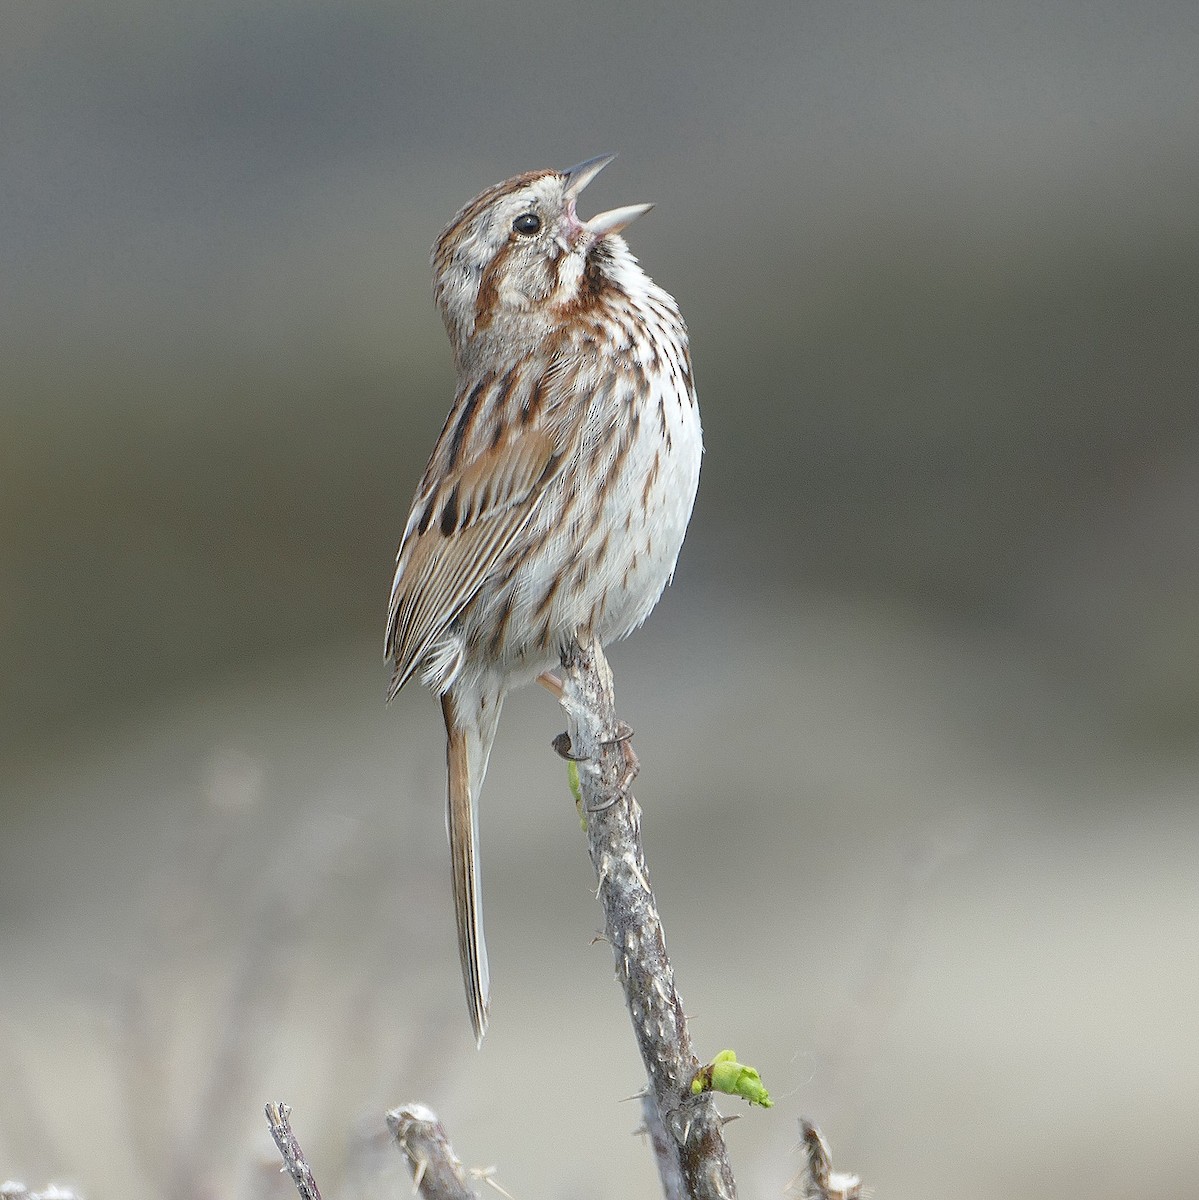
(454, 232)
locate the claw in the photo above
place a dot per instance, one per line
(632, 765)
(561, 745)
(621, 735)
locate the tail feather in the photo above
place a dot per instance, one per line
(470, 724)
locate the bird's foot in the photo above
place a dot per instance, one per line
(622, 737)
(632, 764)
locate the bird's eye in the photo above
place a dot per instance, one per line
(527, 223)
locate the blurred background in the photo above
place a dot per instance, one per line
(917, 720)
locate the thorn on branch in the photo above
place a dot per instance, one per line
(684, 1128)
(436, 1172)
(823, 1183)
(487, 1175)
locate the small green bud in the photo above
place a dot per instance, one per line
(725, 1074)
(572, 778)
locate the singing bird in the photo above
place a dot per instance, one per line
(556, 498)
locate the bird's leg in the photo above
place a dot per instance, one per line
(632, 765)
(561, 743)
(552, 684)
(621, 736)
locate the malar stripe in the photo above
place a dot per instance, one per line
(596, 293)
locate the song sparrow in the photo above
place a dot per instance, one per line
(557, 496)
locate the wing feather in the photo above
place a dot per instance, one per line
(479, 490)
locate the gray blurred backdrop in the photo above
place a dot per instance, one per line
(917, 720)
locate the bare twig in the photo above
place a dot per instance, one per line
(823, 1183)
(599, 742)
(293, 1157)
(436, 1172)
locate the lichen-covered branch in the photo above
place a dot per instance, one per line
(293, 1157)
(634, 928)
(436, 1172)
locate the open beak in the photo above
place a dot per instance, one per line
(615, 219)
(602, 224)
(577, 178)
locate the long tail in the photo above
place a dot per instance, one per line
(470, 724)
